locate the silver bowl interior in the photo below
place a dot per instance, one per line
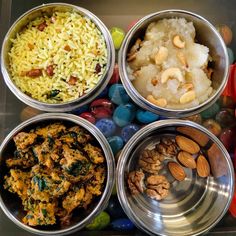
(194, 205)
(48, 9)
(206, 34)
(11, 203)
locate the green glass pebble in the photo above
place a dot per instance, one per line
(211, 111)
(99, 222)
(117, 35)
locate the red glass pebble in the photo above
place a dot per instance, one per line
(88, 116)
(101, 108)
(115, 76)
(230, 89)
(132, 24)
(226, 117)
(227, 138)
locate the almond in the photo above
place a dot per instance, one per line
(217, 161)
(177, 171)
(197, 135)
(187, 144)
(203, 168)
(187, 160)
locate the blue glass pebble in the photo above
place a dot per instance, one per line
(128, 131)
(80, 110)
(122, 224)
(116, 143)
(118, 95)
(146, 117)
(163, 117)
(114, 208)
(231, 55)
(103, 94)
(106, 126)
(124, 114)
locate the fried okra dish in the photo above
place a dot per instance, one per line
(55, 169)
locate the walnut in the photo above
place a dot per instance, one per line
(135, 182)
(157, 187)
(167, 147)
(151, 161)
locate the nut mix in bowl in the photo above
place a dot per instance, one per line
(173, 63)
(174, 171)
(59, 171)
(59, 55)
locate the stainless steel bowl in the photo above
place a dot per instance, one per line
(194, 205)
(206, 34)
(12, 206)
(49, 9)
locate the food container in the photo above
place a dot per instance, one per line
(12, 206)
(206, 35)
(49, 9)
(193, 205)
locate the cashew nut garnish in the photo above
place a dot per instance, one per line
(161, 102)
(187, 97)
(182, 59)
(172, 72)
(188, 86)
(131, 57)
(161, 55)
(178, 42)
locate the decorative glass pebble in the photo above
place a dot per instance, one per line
(122, 224)
(226, 102)
(128, 131)
(106, 126)
(117, 35)
(227, 137)
(213, 126)
(81, 109)
(118, 95)
(226, 33)
(124, 114)
(211, 111)
(114, 208)
(231, 55)
(146, 117)
(115, 76)
(88, 116)
(116, 143)
(225, 117)
(101, 108)
(99, 222)
(195, 118)
(103, 94)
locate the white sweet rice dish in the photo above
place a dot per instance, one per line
(58, 58)
(168, 67)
